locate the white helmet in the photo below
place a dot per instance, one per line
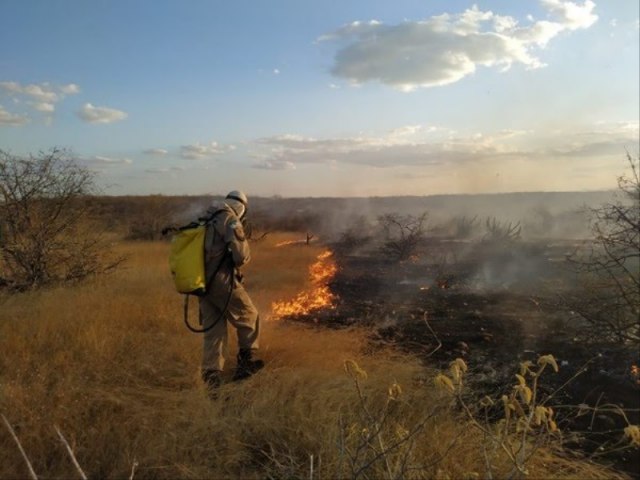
(238, 202)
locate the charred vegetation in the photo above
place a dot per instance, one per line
(494, 298)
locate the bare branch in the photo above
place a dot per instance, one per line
(611, 266)
(47, 232)
(32, 474)
(424, 317)
(70, 451)
(402, 234)
(133, 469)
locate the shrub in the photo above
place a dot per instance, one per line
(47, 230)
(402, 234)
(610, 295)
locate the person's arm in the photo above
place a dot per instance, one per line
(237, 242)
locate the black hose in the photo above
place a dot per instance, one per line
(222, 314)
(226, 304)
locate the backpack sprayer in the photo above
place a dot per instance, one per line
(187, 264)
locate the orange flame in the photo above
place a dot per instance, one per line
(289, 242)
(318, 296)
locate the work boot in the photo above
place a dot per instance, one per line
(246, 365)
(213, 380)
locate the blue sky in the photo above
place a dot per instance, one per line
(325, 98)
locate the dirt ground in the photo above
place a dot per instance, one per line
(495, 310)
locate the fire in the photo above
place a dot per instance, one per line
(289, 242)
(318, 296)
(635, 373)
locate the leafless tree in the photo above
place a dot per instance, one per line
(501, 232)
(402, 234)
(611, 267)
(465, 227)
(47, 232)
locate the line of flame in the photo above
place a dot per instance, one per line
(289, 242)
(318, 296)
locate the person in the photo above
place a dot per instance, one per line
(226, 300)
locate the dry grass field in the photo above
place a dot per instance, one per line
(110, 363)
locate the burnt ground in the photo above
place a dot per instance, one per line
(496, 309)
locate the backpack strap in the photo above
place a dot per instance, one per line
(201, 221)
(212, 215)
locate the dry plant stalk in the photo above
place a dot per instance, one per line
(526, 420)
(374, 442)
(70, 451)
(133, 469)
(32, 473)
(527, 423)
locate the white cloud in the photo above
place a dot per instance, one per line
(602, 139)
(570, 14)
(43, 107)
(356, 27)
(42, 97)
(92, 114)
(164, 170)
(112, 161)
(100, 162)
(274, 165)
(8, 119)
(408, 131)
(200, 151)
(156, 151)
(504, 23)
(410, 145)
(417, 145)
(446, 48)
(43, 92)
(70, 89)
(276, 71)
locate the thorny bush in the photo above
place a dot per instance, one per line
(402, 234)
(610, 297)
(47, 231)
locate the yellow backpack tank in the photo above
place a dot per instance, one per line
(187, 255)
(186, 260)
(187, 264)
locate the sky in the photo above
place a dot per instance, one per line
(333, 98)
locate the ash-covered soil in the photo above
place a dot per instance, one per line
(495, 309)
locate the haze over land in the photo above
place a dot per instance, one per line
(363, 98)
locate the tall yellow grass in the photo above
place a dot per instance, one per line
(111, 364)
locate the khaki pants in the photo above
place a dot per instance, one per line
(241, 313)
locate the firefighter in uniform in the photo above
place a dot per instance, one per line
(226, 300)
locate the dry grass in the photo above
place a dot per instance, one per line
(111, 364)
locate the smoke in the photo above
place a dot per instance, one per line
(557, 214)
(515, 266)
(191, 209)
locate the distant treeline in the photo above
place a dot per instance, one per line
(552, 213)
